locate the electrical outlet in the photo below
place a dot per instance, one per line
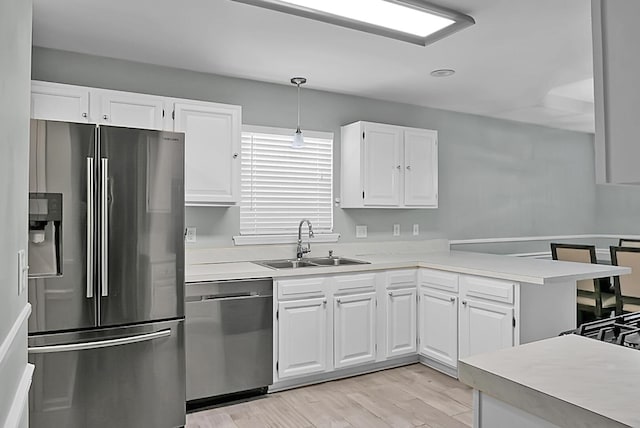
(190, 235)
(396, 230)
(23, 271)
(361, 231)
(416, 229)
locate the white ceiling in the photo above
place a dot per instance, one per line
(525, 60)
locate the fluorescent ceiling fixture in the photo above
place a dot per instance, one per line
(413, 21)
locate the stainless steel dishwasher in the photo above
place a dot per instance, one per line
(229, 338)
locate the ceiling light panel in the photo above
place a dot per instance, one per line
(413, 21)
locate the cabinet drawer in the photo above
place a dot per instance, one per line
(439, 279)
(401, 278)
(301, 287)
(487, 288)
(359, 282)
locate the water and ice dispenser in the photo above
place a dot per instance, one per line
(45, 234)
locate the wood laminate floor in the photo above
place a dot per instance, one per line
(410, 396)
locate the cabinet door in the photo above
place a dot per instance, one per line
(439, 326)
(212, 152)
(130, 110)
(354, 329)
(302, 337)
(51, 101)
(401, 322)
(484, 327)
(382, 149)
(421, 168)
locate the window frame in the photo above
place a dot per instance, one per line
(286, 238)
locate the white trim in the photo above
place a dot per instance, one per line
(283, 239)
(13, 333)
(538, 238)
(285, 131)
(16, 411)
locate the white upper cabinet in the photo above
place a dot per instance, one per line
(212, 152)
(420, 163)
(129, 110)
(382, 165)
(388, 166)
(54, 101)
(212, 131)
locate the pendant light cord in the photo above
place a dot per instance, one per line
(298, 85)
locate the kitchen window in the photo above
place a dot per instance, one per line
(281, 185)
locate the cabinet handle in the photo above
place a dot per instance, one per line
(391, 293)
(399, 167)
(452, 299)
(235, 155)
(324, 302)
(409, 167)
(464, 303)
(84, 115)
(338, 301)
(105, 117)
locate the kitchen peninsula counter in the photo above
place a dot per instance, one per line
(565, 381)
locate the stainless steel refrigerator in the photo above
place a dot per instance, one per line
(106, 254)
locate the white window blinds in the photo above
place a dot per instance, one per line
(282, 185)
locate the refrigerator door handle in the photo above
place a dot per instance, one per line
(104, 227)
(90, 227)
(100, 343)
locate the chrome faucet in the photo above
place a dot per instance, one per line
(300, 250)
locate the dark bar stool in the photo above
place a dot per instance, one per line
(627, 287)
(591, 299)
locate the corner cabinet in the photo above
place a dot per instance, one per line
(388, 166)
(212, 152)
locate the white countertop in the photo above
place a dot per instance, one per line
(571, 381)
(520, 269)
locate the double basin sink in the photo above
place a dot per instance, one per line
(310, 262)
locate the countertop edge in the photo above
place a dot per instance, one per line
(538, 403)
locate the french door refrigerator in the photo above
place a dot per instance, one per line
(106, 333)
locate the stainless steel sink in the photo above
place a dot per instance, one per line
(310, 262)
(335, 261)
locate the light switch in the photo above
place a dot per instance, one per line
(361, 231)
(416, 229)
(396, 230)
(190, 234)
(23, 271)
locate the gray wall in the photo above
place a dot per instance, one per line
(497, 178)
(15, 62)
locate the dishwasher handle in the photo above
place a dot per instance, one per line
(226, 297)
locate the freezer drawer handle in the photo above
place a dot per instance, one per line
(90, 227)
(100, 343)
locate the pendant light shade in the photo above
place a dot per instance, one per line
(298, 139)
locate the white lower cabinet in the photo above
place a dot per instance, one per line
(485, 327)
(401, 322)
(354, 332)
(438, 326)
(302, 333)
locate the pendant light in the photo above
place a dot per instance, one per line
(298, 140)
